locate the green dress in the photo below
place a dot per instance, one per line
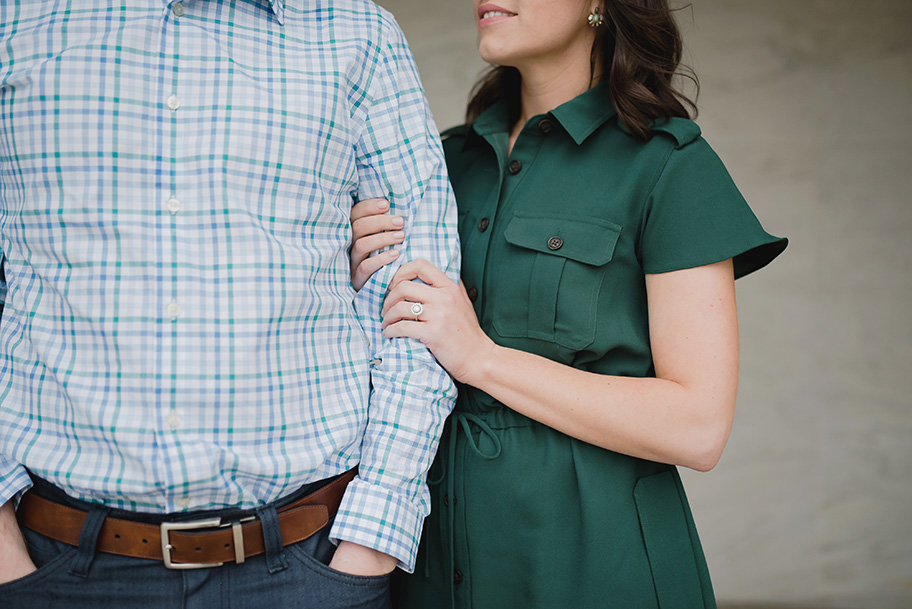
(557, 238)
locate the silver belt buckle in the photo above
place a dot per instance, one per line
(211, 523)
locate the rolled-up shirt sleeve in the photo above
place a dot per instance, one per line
(13, 479)
(400, 158)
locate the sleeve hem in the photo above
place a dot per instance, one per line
(379, 519)
(14, 480)
(747, 259)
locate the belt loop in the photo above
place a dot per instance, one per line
(272, 538)
(88, 538)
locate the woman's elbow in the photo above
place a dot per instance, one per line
(705, 460)
(708, 444)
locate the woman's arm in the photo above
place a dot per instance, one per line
(682, 417)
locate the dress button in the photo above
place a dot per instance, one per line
(183, 503)
(555, 243)
(473, 293)
(173, 419)
(515, 167)
(174, 310)
(178, 9)
(173, 102)
(484, 224)
(546, 125)
(174, 205)
(458, 576)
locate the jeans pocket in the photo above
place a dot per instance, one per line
(50, 558)
(311, 561)
(331, 589)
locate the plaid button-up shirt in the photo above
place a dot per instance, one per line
(180, 331)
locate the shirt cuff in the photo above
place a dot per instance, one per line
(14, 480)
(380, 519)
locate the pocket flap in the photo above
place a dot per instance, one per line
(584, 239)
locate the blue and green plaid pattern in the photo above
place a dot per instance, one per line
(179, 330)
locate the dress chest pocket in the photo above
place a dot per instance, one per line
(550, 277)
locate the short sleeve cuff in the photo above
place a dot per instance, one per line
(378, 518)
(13, 479)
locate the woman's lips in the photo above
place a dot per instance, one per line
(489, 14)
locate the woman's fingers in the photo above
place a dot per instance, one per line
(404, 312)
(368, 207)
(365, 246)
(371, 265)
(410, 293)
(371, 225)
(406, 329)
(372, 230)
(423, 270)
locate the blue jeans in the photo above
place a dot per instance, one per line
(297, 575)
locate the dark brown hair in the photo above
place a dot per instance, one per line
(639, 47)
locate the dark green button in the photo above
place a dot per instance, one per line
(555, 243)
(484, 224)
(546, 126)
(458, 576)
(473, 293)
(515, 167)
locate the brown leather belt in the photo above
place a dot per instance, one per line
(186, 545)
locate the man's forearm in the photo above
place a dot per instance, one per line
(14, 558)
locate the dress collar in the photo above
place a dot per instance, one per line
(580, 116)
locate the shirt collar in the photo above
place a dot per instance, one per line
(277, 7)
(580, 116)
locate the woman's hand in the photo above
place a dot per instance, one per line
(373, 229)
(447, 324)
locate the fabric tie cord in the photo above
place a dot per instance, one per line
(464, 421)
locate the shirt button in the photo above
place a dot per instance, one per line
(458, 577)
(515, 167)
(174, 310)
(173, 102)
(178, 9)
(173, 419)
(546, 126)
(174, 205)
(555, 243)
(473, 293)
(183, 503)
(484, 224)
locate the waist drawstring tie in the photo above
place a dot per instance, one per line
(464, 421)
